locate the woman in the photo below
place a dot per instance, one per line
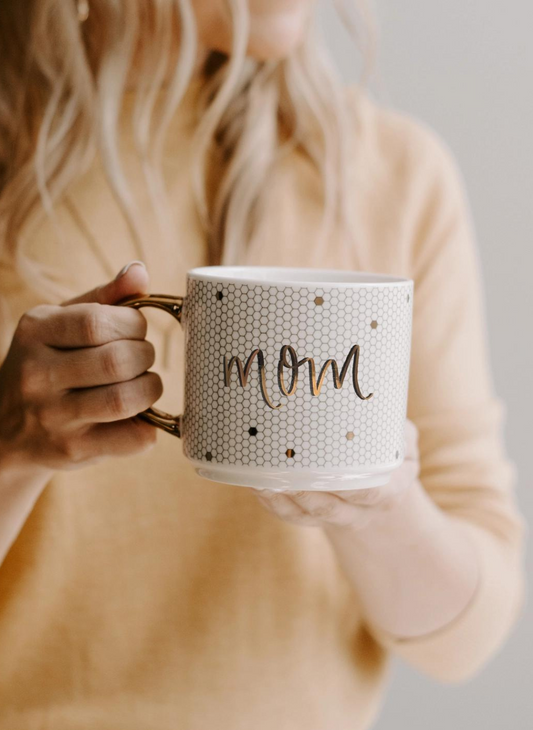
(133, 593)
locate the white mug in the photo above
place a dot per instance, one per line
(295, 379)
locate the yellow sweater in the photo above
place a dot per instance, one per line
(139, 596)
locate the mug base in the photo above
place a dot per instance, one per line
(298, 480)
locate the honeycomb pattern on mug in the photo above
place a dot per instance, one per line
(232, 424)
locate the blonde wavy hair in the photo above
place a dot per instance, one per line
(61, 88)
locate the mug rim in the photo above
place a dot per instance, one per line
(295, 276)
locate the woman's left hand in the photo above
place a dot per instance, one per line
(355, 508)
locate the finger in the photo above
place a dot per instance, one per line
(279, 504)
(115, 402)
(123, 438)
(131, 280)
(87, 325)
(115, 362)
(325, 507)
(368, 497)
(403, 477)
(401, 480)
(411, 440)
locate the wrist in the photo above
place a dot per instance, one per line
(395, 520)
(21, 485)
(405, 558)
(18, 472)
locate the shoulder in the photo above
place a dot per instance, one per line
(396, 148)
(408, 190)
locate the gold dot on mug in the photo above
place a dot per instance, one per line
(220, 296)
(408, 297)
(209, 456)
(290, 453)
(397, 454)
(374, 324)
(319, 301)
(350, 435)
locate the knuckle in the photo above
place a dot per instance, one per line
(117, 402)
(94, 324)
(281, 504)
(71, 451)
(110, 319)
(305, 499)
(322, 508)
(112, 363)
(32, 377)
(27, 324)
(46, 417)
(323, 511)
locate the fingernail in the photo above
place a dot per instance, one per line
(127, 267)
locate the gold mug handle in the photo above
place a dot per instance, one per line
(174, 307)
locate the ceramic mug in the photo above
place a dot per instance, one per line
(295, 378)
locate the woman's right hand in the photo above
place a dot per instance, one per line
(74, 379)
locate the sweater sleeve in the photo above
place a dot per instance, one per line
(460, 419)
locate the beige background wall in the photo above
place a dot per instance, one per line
(467, 69)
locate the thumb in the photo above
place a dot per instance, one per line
(132, 279)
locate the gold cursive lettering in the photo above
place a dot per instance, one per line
(288, 359)
(244, 372)
(338, 379)
(293, 365)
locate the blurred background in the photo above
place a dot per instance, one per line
(466, 68)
